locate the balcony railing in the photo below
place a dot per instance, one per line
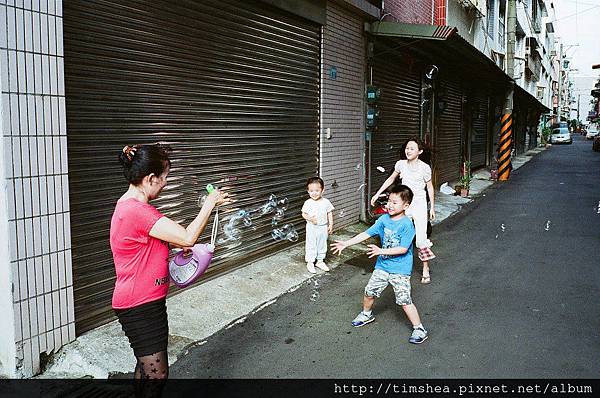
(533, 66)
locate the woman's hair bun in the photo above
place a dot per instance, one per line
(126, 155)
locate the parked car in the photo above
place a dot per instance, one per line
(561, 135)
(592, 132)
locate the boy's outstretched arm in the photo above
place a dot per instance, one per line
(340, 245)
(375, 250)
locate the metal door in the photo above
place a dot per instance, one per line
(232, 86)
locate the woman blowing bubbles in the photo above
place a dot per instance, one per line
(139, 238)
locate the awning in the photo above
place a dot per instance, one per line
(443, 46)
(524, 95)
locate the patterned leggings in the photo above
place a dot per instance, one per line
(151, 373)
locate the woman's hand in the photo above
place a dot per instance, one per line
(432, 214)
(374, 199)
(218, 198)
(374, 250)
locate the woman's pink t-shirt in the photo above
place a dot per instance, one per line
(141, 261)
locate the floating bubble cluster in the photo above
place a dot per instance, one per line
(287, 232)
(232, 229)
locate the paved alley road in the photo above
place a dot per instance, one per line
(514, 295)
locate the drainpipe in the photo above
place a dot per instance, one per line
(506, 120)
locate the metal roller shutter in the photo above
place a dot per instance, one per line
(520, 127)
(448, 138)
(232, 86)
(400, 114)
(479, 131)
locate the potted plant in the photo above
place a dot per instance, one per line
(465, 178)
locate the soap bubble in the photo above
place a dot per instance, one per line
(357, 167)
(283, 204)
(287, 232)
(381, 169)
(342, 214)
(270, 206)
(314, 295)
(279, 214)
(277, 234)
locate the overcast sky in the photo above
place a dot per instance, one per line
(578, 22)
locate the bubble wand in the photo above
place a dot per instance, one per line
(186, 268)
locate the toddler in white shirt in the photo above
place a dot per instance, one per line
(318, 213)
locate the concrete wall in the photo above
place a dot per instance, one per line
(466, 24)
(7, 336)
(35, 178)
(342, 109)
(409, 11)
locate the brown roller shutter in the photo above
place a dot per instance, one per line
(448, 135)
(232, 85)
(479, 131)
(399, 109)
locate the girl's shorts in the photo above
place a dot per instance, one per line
(381, 279)
(146, 326)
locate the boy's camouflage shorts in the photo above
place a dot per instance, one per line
(400, 283)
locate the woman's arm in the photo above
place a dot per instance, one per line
(390, 180)
(169, 231)
(431, 193)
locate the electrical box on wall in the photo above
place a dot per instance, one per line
(373, 94)
(372, 116)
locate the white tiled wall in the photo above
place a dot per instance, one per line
(343, 113)
(35, 154)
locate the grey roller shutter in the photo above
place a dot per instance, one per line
(447, 155)
(399, 113)
(232, 86)
(479, 131)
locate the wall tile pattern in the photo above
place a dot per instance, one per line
(35, 140)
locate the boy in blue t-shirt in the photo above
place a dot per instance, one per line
(395, 261)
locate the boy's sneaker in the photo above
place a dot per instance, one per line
(322, 265)
(362, 319)
(311, 268)
(418, 336)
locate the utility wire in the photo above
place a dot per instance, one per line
(577, 13)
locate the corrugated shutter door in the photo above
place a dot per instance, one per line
(399, 114)
(480, 131)
(233, 86)
(448, 139)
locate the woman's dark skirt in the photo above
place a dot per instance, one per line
(146, 326)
